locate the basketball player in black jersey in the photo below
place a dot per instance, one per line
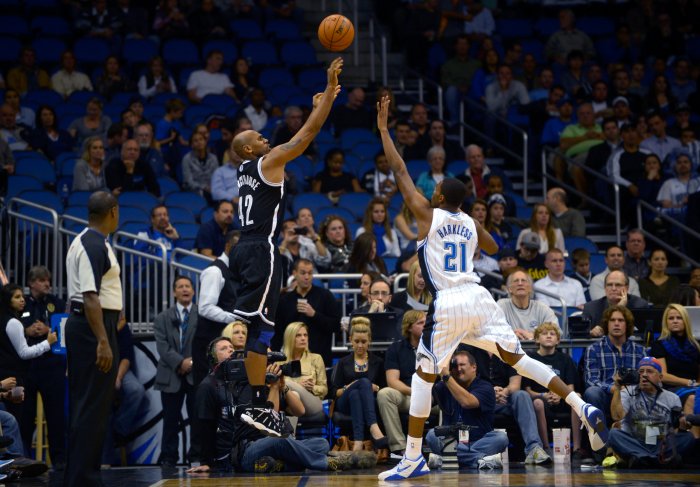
(255, 261)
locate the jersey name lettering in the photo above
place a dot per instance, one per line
(460, 230)
(247, 180)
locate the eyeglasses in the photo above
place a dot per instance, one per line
(380, 293)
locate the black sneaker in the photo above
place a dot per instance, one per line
(264, 419)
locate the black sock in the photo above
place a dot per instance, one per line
(259, 395)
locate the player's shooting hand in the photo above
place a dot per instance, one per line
(104, 356)
(334, 71)
(383, 112)
(317, 97)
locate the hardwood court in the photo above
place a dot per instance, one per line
(515, 476)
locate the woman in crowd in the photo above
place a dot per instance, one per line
(333, 180)
(496, 224)
(170, 21)
(237, 332)
(242, 79)
(316, 250)
(335, 235)
(679, 354)
(658, 286)
(479, 210)
(376, 221)
(416, 295)
(484, 75)
(542, 224)
(659, 97)
(198, 166)
(650, 184)
(156, 79)
(406, 226)
(94, 123)
(364, 256)
(15, 353)
(47, 137)
(357, 378)
(89, 171)
(112, 80)
(429, 179)
(685, 295)
(312, 385)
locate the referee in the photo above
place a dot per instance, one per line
(95, 294)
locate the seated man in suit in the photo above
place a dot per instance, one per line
(616, 293)
(379, 302)
(174, 329)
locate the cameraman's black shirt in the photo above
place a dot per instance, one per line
(481, 417)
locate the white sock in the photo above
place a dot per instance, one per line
(414, 447)
(575, 401)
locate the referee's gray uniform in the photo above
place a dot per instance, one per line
(91, 266)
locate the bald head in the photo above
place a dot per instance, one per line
(250, 144)
(99, 204)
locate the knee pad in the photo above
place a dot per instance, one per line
(420, 397)
(259, 338)
(532, 369)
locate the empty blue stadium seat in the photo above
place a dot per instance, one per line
(18, 184)
(367, 150)
(692, 47)
(91, 50)
(9, 49)
(180, 215)
(180, 51)
(312, 80)
(282, 29)
(44, 198)
(50, 26)
(261, 52)
(299, 53)
(31, 227)
(281, 94)
(196, 262)
(79, 198)
(228, 49)
(270, 77)
(206, 214)
(186, 199)
(523, 212)
(321, 214)
(195, 114)
(48, 49)
(546, 26)
(246, 29)
(188, 230)
(596, 26)
(356, 203)
(598, 264)
(38, 167)
(139, 51)
(43, 97)
(13, 25)
(222, 103)
(167, 185)
(138, 199)
(520, 28)
(312, 201)
(572, 243)
(79, 211)
(350, 137)
(458, 167)
(534, 47)
(133, 214)
(416, 167)
(153, 111)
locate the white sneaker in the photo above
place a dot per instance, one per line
(594, 421)
(406, 469)
(537, 456)
(434, 461)
(491, 462)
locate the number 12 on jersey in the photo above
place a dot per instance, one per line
(451, 256)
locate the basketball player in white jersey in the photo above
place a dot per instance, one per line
(461, 310)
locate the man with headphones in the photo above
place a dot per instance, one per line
(228, 443)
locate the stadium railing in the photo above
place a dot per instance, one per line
(684, 233)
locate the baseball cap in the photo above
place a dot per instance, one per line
(531, 241)
(650, 362)
(497, 198)
(506, 252)
(621, 99)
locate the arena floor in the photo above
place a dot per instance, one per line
(558, 475)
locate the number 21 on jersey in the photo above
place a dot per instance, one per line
(455, 256)
(244, 206)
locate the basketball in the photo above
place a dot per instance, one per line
(336, 32)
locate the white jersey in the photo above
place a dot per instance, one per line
(446, 253)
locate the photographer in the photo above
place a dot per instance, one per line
(467, 400)
(228, 442)
(648, 436)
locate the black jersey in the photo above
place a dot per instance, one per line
(260, 204)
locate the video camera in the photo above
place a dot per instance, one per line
(451, 430)
(628, 377)
(233, 368)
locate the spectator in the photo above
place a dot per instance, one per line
(562, 117)
(685, 295)
(116, 135)
(617, 293)
(419, 122)
(169, 129)
(149, 152)
(626, 163)
(530, 258)
(478, 171)
(174, 330)
(393, 112)
(160, 230)
(27, 76)
(198, 167)
(568, 220)
(436, 137)
(312, 385)
(380, 181)
(572, 79)
(456, 76)
(404, 142)
(496, 225)
(97, 21)
(546, 403)
(210, 81)
(25, 116)
(353, 114)
(541, 87)
(507, 261)
(478, 22)
(576, 141)
(600, 102)
(650, 185)
(466, 398)
(556, 283)
(379, 301)
(333, 181)
(224, 181)
(658, 286)
(130, 174)
(207, 22)
(7, 164)
(156, 79)
(133, 19)
(406, 227)
(169, 21)
(522, 312)
(505, 92)
(621, 84)
(356, 379)
(257, 110)
(93, 123)
(212, 235)
(243, 79)
(484, 76)
(112, 80)
(15, 136)
(376, 221)
(46, 373)
(660, 143)
(237, 332)
(636, 265)
(293, 248)
(427, 181)
(336, 237)
(48, 137)
(541, 223)
(283, 133)
(89, 170)
(416, 295)
(513, 54)
(659, 98)
(632, 442)
(674, 192)
(364, 256)
(683, 124)
(581, 260)
(67, 79)
(567, 39)
(615, 261)
(621, 111)
(310, 240)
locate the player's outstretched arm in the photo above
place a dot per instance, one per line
(322, 104)
(418, 204)
(486, 241)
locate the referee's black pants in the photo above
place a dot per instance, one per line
(90, 394)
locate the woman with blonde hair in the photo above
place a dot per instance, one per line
(416, 295)
(356, 379)
(89, 170)
(237, 332)
(542, 224)
(312, 385)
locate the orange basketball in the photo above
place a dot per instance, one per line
(336, 32)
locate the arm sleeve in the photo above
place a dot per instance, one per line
(592, 375)
(97, 261)
(79, 179)
(613, 168)
(578, 225)
(211, 284)
(15, 331)
(144, 90)
(218, 189)
(560, 240)
(321, 386)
